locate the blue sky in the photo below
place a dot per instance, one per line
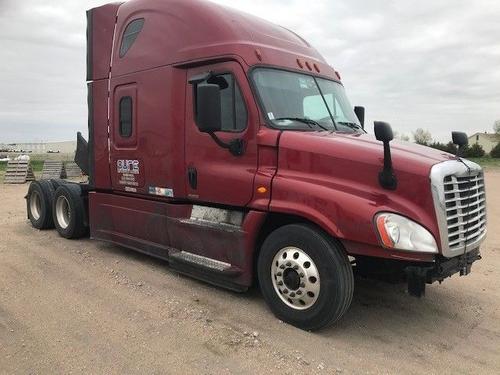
(434, 65)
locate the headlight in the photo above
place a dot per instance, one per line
(398, 232)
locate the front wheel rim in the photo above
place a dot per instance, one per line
(295, 278)
(63, 213)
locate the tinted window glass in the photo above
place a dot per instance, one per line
(234, 112)
(130, 35)
(126, 116)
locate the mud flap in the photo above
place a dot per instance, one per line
(419, 275)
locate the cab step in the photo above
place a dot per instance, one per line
(209, 270)
(203, 262)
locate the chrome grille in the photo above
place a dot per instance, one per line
(460, 201)
(465, 203)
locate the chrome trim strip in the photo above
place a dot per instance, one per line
(438, 173)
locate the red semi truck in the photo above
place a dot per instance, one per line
(227, 146)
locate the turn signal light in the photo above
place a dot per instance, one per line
(384, 236)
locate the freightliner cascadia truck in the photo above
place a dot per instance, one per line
(227, 146)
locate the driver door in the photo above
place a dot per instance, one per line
(213, 173)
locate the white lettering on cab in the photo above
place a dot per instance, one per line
(127, 166)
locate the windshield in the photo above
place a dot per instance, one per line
(301, 102)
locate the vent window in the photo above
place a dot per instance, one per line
(130, 35)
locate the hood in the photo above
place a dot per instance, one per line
(365, 149)
(337, 174)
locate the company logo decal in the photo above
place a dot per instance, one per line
(128, 172)
(127, 166)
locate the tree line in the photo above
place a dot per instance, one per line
(424, 137)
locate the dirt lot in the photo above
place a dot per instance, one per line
(90, 307)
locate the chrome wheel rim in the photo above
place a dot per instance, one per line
(63, 212)
(295, 278)
(35, 205)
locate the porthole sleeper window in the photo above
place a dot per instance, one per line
(126, 117)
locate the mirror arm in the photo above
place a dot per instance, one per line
(386, 177)
(235, 146)
(194, 80)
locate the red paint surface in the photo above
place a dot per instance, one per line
(332, 180)
(158, 227)
(102, 179)
(103, 24)
(222, 177)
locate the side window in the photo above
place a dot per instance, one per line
(234, 112)
(130, 35)
(126, 117)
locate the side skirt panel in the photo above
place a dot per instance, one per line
(211, 244)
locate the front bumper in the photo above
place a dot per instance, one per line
(419, 275)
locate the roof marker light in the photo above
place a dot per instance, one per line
(338, 75)
(299, 63)
(316, 67)
(308, 65)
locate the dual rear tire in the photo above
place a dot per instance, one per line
(69, 212)
(39, 202)
(53, 203)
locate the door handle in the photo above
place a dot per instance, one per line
(193, 177)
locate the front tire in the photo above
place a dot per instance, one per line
(305, 276)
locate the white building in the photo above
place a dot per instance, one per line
(66, 147)
(486, 140)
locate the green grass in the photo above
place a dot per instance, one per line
(37, 165)
(487, 162)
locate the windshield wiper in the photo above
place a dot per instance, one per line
(306, 121)
(351, 125)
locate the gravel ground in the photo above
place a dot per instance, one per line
(90, 307)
